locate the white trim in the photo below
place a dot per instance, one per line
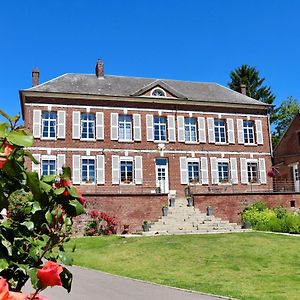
(155, 111)
(160, 89)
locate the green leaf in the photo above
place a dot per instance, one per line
(3, 263)
(73, 192)
(59, 191)
(35, 207)
(66, 173)
(33, 276)
(45, 187)
(79, 208)
(3, 130)
(5, 115)
(29, 225)
(48, 217)
(34, 184)
(15, 118)
(48, 178)
(66, 279)
(20, 137)
(65, 259)
(29, 154)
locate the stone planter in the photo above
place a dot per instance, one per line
(209, 211)
(246, 225)
(165, 211)
(172, 202)
(146, 227)
(190, 201)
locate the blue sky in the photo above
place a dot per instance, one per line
(173, 39)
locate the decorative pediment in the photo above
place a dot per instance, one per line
(158, 88)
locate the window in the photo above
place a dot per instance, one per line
(220, 131)
(126, 168)
(49, 125)
(223, 171)
(157, 92)
(88, 170)
(190, 127)
(193, 171)
(87, 126)
(48, 167)
(252, 169)
(248, 132)
(160, 129)
(125, 128)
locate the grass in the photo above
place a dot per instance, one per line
(244, 266)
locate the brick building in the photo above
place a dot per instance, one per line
(137, 139)
(287, 158)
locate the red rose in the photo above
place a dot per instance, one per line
(80, 198)
(94, 213)
(48, 275)
(7, 150)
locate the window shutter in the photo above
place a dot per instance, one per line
(204, 170)
(37, 167)
(183, 170)
(259, 132)
(99, 126)
(233, 171)
(211, 130)
(171, 129)
(100, 169)
(37, 116)
(180, 128)
(76, 169)
(138, 169)
(244, 173)
(262, 171)
(201, 130)
(149, 125)
(230, 129)
(214, 170)
(76, 125)
(115, 162)
(240, 129)
(60, 161)
(114, 126)
(137, 130)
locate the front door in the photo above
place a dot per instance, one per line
(296, 178)
(162, 174)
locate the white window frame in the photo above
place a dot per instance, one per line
(218, 130)
(123, 134)
(253, 161)
(127, 159)
(189, 128)
(48, 158)
(48, 120)
(224, 161)
(158, 89)
(162, 126)
(89, 122)
(247, 133)
(193, 161)
(81, 169)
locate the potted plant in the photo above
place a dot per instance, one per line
(146, 226)
(158, 190)
(209, 211)
(187, 191)
(165, 210)
(172, 202)
(190, 201)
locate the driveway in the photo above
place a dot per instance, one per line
(91, 285)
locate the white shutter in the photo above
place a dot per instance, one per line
(240, 129)
(171, 129)
(201, 130)
(204, 170)
(262, 171)
(37, 116)
(114, 126)
(230, 129)
(99, 126)
(150, 129)
(37, 167)
(138, 169)
(244, 173)
(180, 129)
(259, 132)
(211, 130)
(214, 170)
(61, 124)
(76, 125)
(100, 169)
(60, 161)
(115, 163)
(76, 169)
(183, 171)
(137, 130)
(233, 171)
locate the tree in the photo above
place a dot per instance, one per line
(284, 115)
(249, 76)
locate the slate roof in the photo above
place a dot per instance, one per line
(89, 84)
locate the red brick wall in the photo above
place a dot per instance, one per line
(230, 206)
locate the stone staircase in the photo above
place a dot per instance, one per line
(182, 219)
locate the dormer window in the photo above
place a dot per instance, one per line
(158, 92)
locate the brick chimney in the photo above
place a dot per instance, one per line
(99, 69)
(243, 89)
(35, 77)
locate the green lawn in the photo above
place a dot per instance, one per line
(242, 265)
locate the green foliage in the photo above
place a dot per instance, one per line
(39, 213)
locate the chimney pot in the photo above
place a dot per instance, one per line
(243, 89)
(35, 77)
(99, 69)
